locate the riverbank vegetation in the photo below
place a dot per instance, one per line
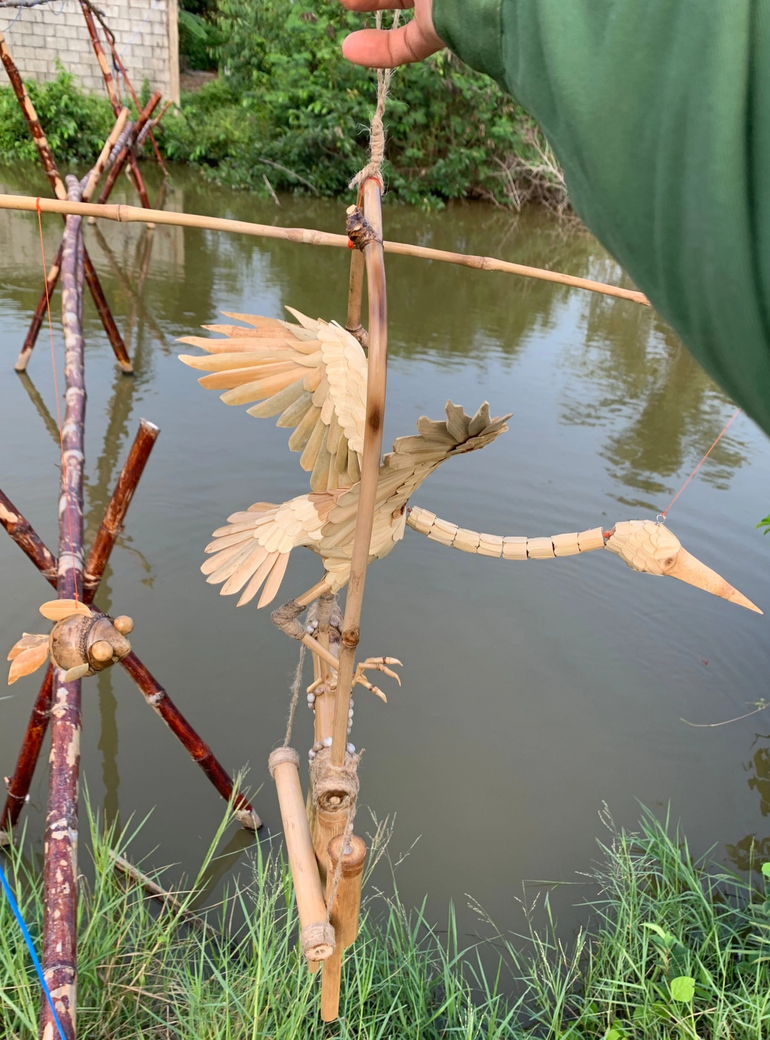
(674, 948)
(288, 109)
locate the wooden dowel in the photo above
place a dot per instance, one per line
(115, 514)
(370, 464)
(344, 916)
(60, 869)
(307, 236)
(316, 937)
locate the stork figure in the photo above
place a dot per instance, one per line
(313, 375)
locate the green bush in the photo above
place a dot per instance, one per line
(76, 124)
(291, 107)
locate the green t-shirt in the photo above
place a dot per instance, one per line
(659, 112)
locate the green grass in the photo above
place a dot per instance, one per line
(662, 925)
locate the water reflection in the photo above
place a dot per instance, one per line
(660, 409)
(751, 851)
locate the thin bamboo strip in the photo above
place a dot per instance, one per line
(307, 236)
(370, 464)
(355, 294)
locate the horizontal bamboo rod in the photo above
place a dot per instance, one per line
(308, 236)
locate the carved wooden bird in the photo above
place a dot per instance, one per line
(313, 375)
(80, 643)
(645, 545)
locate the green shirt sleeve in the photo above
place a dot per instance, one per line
(659, 112)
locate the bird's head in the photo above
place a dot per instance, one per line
(652, 548)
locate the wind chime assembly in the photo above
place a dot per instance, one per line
(326, 384)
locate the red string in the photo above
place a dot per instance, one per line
(719, 438)
(55, 380)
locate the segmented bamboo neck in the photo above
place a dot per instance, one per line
(505, 548)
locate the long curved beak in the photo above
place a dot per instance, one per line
(688, 568)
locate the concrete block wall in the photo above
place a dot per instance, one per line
(146, 36)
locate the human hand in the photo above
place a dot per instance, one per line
(385, 49)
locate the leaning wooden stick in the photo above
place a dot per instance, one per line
(316, 936)
(115, 514)
(112, 93)
(370, 243)
(60, 870)
(307, 236)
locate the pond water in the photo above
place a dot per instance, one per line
(532, 693)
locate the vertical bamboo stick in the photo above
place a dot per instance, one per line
(115, 514)
(355, 294)
(343, 916)
(370, 464)
(60, 869)
(316, 936)
(113, 95)
(122, 69)
(125, 152)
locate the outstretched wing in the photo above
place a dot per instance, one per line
(401, 473)
(253, 548)
(312, 375)
(27, 655)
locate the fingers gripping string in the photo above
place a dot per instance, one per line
(661, 517)
(53, 366)
(377, 130)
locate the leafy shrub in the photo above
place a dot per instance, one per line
(76, 124)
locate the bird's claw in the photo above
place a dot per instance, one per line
(381, 664)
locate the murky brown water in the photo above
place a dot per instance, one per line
(532, 693)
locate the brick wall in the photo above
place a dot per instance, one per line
(145, 31)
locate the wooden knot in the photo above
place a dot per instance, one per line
(285, 618)
(280, 756)
(335, 788)
(360, 231)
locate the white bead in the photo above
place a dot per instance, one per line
(351, 749)
(327, 742)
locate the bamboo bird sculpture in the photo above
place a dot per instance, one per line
(79, 643)
(313, 376)
(646, 546)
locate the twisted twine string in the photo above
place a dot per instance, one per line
(376, 128)
(296, 683)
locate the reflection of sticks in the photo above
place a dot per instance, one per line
(40, 406)
(128, 289)
(25, 537)
(308, 236)
(60, 869)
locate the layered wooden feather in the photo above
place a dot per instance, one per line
(312, 375)
(27, 655)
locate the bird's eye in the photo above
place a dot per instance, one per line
(670, 561)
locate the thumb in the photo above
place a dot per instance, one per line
(385, 49)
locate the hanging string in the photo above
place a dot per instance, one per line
(297, 682)
(376, 129)
(55, 378)
(31, 947)
(662, 516)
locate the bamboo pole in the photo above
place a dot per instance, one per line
(25, 536)
(370, 462)
(125, 152)
(21, 778)
(307, 236)
(60, 870)
(355, 294)
(92, 178)
(115, 514)
(112, 94)
(344, 915)
(316, 936)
